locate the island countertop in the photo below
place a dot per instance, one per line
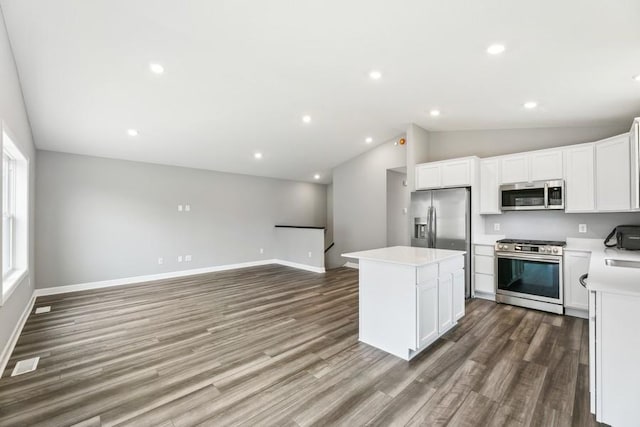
(405, 255)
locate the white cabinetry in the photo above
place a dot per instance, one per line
(458, 295)
(484, 265)
(546, 165)
(514, 168)
(615, 344)
(427, 309)
(445, 174)
(576, 264)
(490, 186)
(613, 184)
(579, 178)
(445, 303)
(634, 141)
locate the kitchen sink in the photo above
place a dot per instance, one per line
(622, 263)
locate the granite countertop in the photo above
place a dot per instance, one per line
(405, 255)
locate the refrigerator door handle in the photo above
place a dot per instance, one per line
(434, 227)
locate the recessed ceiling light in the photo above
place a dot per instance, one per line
(369, 140)
(530, 105)
(375, 75)
(156, 68)
(637, 78)
(495, 49)
(132, 132)
(257, 155)
(434, 113)
(306, 119)
(316, 176)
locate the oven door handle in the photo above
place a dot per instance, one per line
(528, 257)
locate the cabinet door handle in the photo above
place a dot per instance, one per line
(583, 279)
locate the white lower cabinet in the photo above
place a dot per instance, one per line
(427, 311)
(484, 265)
(458, 295)
(576, 264)
(445, 303)
(615, 345)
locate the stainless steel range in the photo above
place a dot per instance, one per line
(529, 274)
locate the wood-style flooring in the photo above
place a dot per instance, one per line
(277, 346)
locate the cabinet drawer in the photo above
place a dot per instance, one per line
(484, 264)
(427, 272)
(484, 250)
(451, 265)
(484, 283)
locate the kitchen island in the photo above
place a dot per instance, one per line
(408, 296)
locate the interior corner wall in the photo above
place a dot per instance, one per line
(398, 199)
(417, 151)
(360, 200)
(13, 115)
(488, 143)
(101, 219)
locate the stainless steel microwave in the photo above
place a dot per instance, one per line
(529, 196)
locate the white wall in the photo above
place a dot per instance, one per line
(398, 198)
(487, 143)
(14, 117)
(100, 219)
(360, 200)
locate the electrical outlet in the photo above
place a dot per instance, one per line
(309, 254)
(582, 228)
(496, 226)
(261, 250)
(160, 261)
(179, 208)
(404, 211)
(187, 258)
(179, 258)
(187, 208)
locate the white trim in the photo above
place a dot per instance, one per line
(350, 264)
(54, 290)
(8, 348)
(299, 266)
(575, 312)
(485, 295)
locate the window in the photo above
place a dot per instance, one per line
(15, 216)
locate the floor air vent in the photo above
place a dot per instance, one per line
(24, 366)
(41, 310)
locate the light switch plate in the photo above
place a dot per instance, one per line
(582, 228)
(187, 208)
(160, 261)
(496, 226)
(179, 258)
(187, 258)
(179, 208)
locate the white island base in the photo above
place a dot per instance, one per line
(408, 297)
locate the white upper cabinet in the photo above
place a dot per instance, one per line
(634, 140)
(514, 168)
(428, 176)
(450, 173)
(579, 179)
(489, 186)
(546, 165)
(613, 183)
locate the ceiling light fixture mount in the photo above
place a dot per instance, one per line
(368, 140)
(636, 77)
(375, 75)
(495, 49)
(257, 155)
(132, 132)
(316, 176)
(434, 113)
(530, 105)
(156, 68)
(306, 119)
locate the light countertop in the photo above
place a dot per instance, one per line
(487, 239)
(405, 255)
(606, 278)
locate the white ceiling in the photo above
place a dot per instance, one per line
(239, 75)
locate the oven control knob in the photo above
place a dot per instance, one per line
(555, 250)
(543, 249)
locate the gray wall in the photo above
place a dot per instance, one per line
(14, 117)
(398, 198)
(487, 143)
(360, 200)
(329, 233)
(557, 225)
(100, 219)
(296, 244)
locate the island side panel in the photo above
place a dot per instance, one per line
(387, 304)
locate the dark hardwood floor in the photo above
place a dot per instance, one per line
(277, 346)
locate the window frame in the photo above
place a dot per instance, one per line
(20, 215)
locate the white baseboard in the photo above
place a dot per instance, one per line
(54, 290)
(350, 264)
(485, 295)
(13, 339)
(299, 266)
(583, 314)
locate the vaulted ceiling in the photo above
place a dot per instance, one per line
(240, 75)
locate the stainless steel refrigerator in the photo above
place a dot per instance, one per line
(442, 219)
